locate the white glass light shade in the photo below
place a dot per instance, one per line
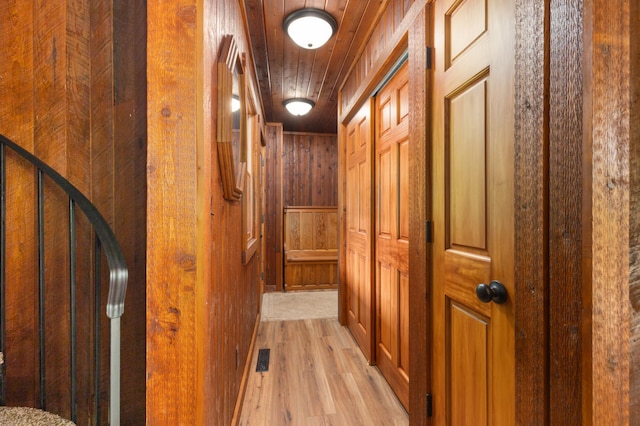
(310, 28)
(298, 106)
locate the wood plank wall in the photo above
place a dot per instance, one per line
(202, 302)
(384, 34)
(634, 214)
(575, 297)
(607, 143)
(531, 190)
(565, 156)
(17, 123)
(302, 170)
(130, 216)
(75, 97)
(309, 170)
(273, 225)
(234, 291)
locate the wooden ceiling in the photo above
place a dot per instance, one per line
(286, 71)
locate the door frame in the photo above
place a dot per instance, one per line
(573, 95)
(413, 39)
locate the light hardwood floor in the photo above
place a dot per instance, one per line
(317, 376)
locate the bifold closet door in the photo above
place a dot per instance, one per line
(392, 232)
(359, 262)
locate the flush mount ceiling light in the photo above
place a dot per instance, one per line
(310, 28)
(298, 106)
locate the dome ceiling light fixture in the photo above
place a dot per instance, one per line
(298, 106)
(310, 28)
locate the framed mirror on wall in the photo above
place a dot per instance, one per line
(232, 119)
(250, 205)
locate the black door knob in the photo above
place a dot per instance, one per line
(495, 291)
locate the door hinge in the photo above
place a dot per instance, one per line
(429, 231)
(429, 50)
(429, 405)
(262, 276)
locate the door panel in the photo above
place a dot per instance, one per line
(465, 22)
(403, 289)
(387, 306)
(386, 205)
(467, 335)
(392, 242)
(359, 288)
(473, 360)
(403, 200)
(465, 115)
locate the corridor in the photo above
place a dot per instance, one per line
(316, 376)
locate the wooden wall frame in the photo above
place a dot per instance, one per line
(251, 158)
(231, 74)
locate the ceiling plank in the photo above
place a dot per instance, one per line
(255, 16)
(285, 70)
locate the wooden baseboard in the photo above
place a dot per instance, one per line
(245, 376)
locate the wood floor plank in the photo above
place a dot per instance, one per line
(317, 376)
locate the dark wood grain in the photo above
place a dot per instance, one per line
(21, 325)
(273, 208)
(51, 108)
(301, 171)
(565, 213)
(309, 169)
(258, 34)
(90, 64)
(60, 106)
(634, 215)
(531, 192)
(21, 357)
(607, 136)
(129, 183)
(419, 211)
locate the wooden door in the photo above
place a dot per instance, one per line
(359, 261)
(473, 211)
(392, 232)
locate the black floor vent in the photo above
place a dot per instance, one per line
(263, 360)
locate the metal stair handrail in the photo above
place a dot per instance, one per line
(118, 272)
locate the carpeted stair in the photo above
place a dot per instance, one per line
(23, 416)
